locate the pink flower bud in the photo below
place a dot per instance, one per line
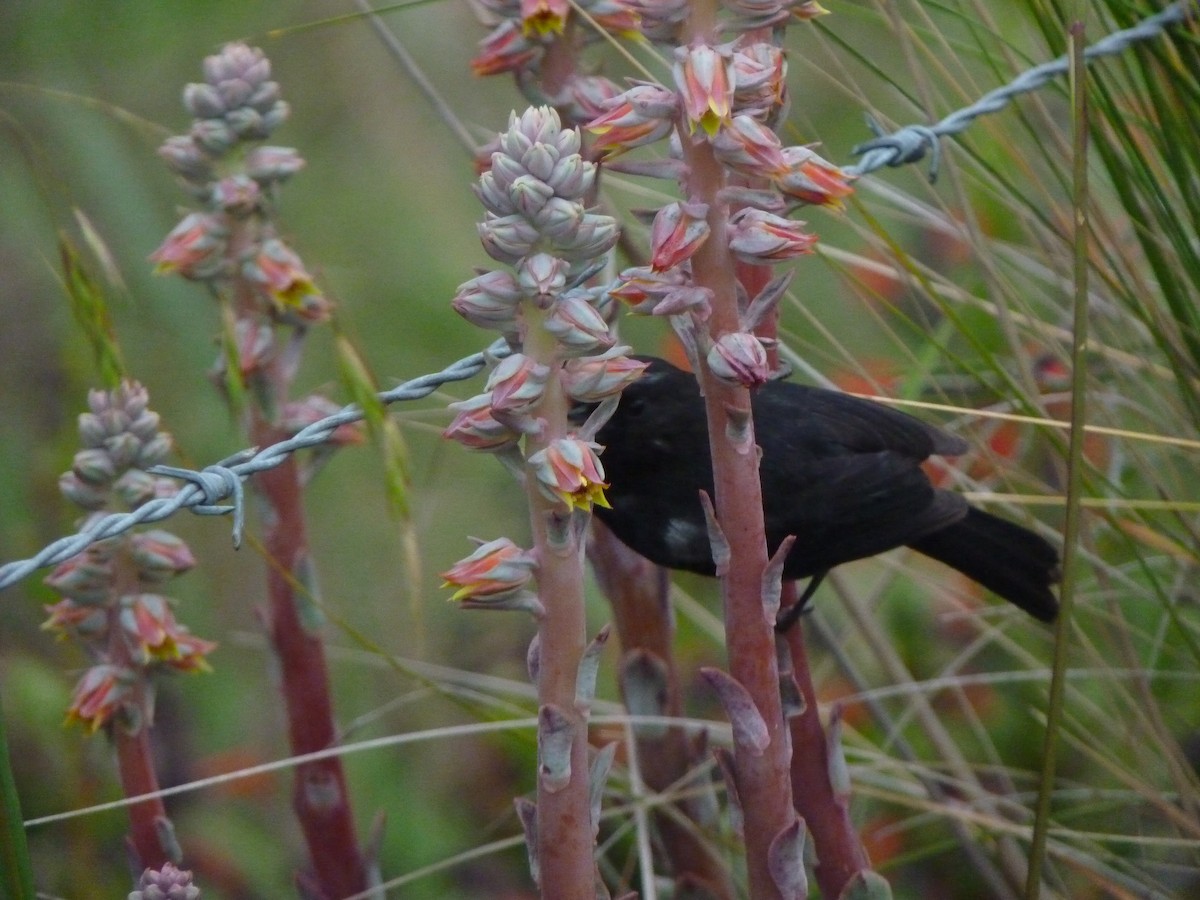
(273, 164)
(642, 115)
(489, 300)
(705, 79)
(507, 238)
(738, 357)
(517, 384)
(750, 147)
(577, 326)
(569, 471)
(495, 571)
(811, 179)
(758, 237)
(195, 248)
(591, 379)
(99, 695)
(506, 49)
(476, 428)
(159, 555)
(286, 284)
(678, 231)
(542, 276)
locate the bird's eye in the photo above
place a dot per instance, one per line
(632, 406)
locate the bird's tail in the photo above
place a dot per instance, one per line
(1004, 557)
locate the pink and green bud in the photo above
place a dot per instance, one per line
(592, 238)
(811, 179)
(214, 136)
(760, 70)
(529, 194)
(591, 379)
(67, 617)
(495, 571)
(543, 18)
(576, 324)
(750, 147)
(476, 428)
(542, 277)
(136, 487)
(705, 79)
(585, 97)
(560, 221)
(569, 471)
(167, 883)
(617, 17)
(195, 248)
(286, 284)
(100, 695)
(641, 288)
(237, 195)
(186, 159)
(679, 230)
(506, 49)
(153, 451)
(757, 237)
(86, 578)
(490, 300)
(271, 165)
(88, 496)
(517, 385)
(642, 115)
(94, 467)
(507, 238)
(159, 555)
(739, 357)
(154, 635)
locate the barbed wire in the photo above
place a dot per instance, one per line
(910, 143)
(205, 489)
(209, 486)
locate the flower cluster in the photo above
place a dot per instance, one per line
(110, 601)
(167, 883)
(727, 97)
(537, 221)
(223, 165)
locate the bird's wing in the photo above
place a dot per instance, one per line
(836, 420)
(852, 506)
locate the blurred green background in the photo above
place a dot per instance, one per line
(385, 217)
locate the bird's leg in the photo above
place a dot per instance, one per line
(788, 617)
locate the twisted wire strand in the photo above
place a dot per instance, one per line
(205, 489)
(208, 487)
(911, 142)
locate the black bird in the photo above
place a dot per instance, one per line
(842, 474)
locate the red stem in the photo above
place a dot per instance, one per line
(639, 593)
(762, 778)
(135, 762)
(839, 850)
(319, 794)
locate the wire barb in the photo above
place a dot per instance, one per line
(910, 143)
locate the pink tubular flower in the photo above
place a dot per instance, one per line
(540, 18)
(760, 69)
(495, 571)
(640, 288)
(811, 179)
(99, 695)
(705, 79)
(642, 115)
(195, 248)
(576, 324)
(504, 50)
(678, 231)
(738, 357)
(758, 237)
(751, 148)
(518, 384)
(569, 470)
(489, 301)
(155, 636)
(591, 379)
(290, 289)
(476, 428)
(69, 617)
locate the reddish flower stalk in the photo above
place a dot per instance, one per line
(264, 287)
(762, 777)
(639, 593)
